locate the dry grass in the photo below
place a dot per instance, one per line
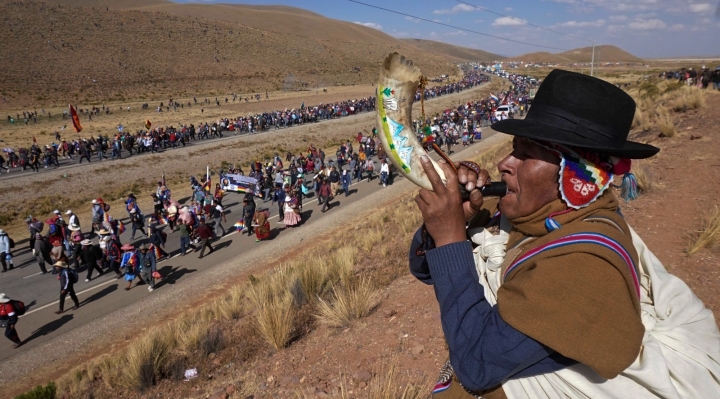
(709, 233)
(665, 123)
(658, 101)
(352, 301)
(644, 177)
(688, 98)
(386, 383)
(146, 358)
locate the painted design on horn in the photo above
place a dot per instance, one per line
(399, 78)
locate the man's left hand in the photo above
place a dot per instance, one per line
(442, 208)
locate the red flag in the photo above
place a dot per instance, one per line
(75, 119)
(34, 140)
(148, 125)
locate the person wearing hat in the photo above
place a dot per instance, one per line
(98, 215)
(218, 214)
(9, 317)
(346, 180)
(138, 223)
(131, 203)
(157, 236)
(130, 264)
(91, 256)
(34, 227)
(73, 220)
(147, 265)
(67, 285)
(324, 195)
(292, 213)
(56, 216)
(248, 213)
(540, 292)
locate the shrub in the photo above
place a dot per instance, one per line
(350, 302)
(40, 392)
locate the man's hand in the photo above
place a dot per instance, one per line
(472, 182)
(442, 208)
(63, 292)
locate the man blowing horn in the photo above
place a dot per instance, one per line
(547, 292)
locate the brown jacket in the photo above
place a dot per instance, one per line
(580, 299)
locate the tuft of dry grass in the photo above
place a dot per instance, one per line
(666, 123)
(145, 359)
(709, 233)
(389, 384)
(688, 98)
(644, 177)
(349, 302)
(275, 320)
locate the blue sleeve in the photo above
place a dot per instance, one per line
(418, 264)
(484, 349)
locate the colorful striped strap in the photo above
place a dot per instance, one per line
(582, 238)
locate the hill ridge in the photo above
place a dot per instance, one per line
(454, 52)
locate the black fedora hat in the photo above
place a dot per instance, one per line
(580, 111)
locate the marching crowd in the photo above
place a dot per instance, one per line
(282, 182)
(158, 139)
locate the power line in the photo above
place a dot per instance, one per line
(524, 22)
(456, 27)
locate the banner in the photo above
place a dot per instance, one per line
(239, 184)
(75, 119)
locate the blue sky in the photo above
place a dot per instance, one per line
(646, 28)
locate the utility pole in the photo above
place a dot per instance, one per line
(592, 63)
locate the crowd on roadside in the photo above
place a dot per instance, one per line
(283, 183)
(702, 78)
(159, 139)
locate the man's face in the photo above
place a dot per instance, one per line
(531, 173)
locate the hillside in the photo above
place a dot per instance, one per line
(452, 52)
(604, 53)
(94, 53)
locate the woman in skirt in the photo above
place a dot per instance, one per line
(262, 224)
(292, 214)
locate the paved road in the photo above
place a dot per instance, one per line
(105, 294)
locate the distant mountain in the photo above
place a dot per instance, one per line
(603, 53)
(94, 50)
(452, 52)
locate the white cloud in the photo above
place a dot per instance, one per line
(646, 15)
(618, 18)
(647, 24)
(615, 28)
(508, 9)
(677, 27)
(581, 24)
(456, 9)
(411, 19)
(370, 25)
(701, 8)
(507, 21)
(564, 1)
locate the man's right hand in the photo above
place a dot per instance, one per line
(472, 181)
